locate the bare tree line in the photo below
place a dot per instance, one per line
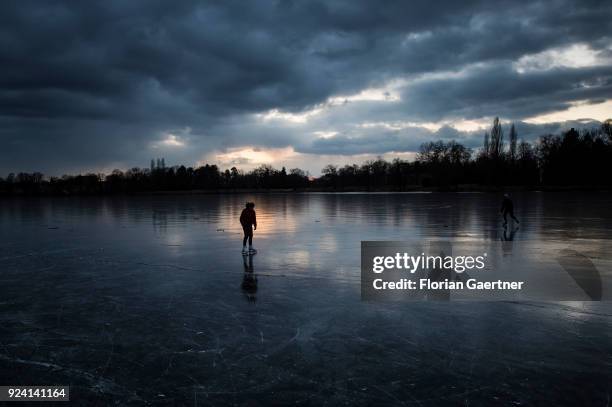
(573, 158)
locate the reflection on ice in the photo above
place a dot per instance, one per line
(249, 279)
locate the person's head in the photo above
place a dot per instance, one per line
(250, 205)
(506, 195)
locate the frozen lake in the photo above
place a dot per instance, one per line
(148, 300)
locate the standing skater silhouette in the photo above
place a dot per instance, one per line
(507, 208)
(248, 220)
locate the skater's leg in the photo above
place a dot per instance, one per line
(248, 235)
(251, 249)
(514, 217)
(505, 218)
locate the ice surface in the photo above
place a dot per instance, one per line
(148, 300)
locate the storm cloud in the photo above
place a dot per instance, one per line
(97, 85)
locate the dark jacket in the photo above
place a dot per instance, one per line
(248, 218)
(507, 205)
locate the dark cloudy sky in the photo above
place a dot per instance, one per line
(102, 85)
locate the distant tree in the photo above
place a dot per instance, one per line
(235, 173)
(497, 140)
(298, 173)
(330, 170)
(606, 128)
(330, 175)
(513, 141)
(378, 171)
(444, 163)
(283, 178)
(297, 178)
(182, 180)
(458, 153)
(525, 151)
(432, 152)
(486, 146)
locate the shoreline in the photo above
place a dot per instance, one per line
(347, 190)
